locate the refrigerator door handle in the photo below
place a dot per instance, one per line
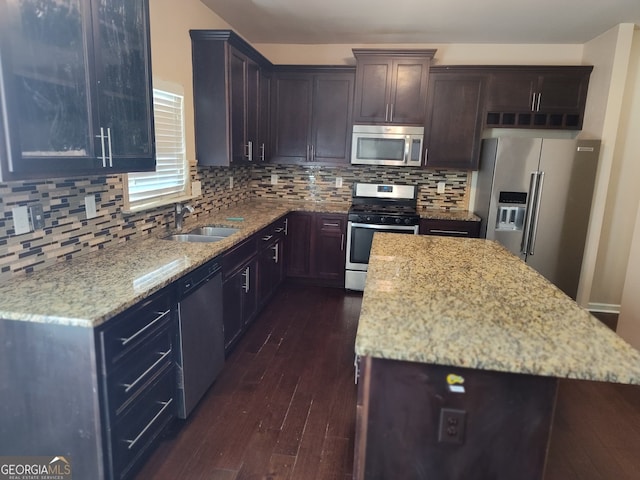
(536, 215)
(528, 219)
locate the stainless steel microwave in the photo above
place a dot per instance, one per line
(394, 145)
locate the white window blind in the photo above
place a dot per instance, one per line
(170, 181)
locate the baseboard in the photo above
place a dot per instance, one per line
(604, 307)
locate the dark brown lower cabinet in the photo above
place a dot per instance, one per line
(100, 397)
(315, 248)
(271, 259)
(411, 425)
(449, 228)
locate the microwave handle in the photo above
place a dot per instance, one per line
(407, 149)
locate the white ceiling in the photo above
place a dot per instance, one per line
(424, 21)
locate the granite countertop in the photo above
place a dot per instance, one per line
(437, 214)
(470, 303)
(88, 290)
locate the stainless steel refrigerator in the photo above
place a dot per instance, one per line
(534, 197)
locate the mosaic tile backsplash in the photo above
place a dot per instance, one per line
(69, 234)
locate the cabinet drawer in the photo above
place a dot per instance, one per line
(135, 326)
(335, 223)
(143, 422)
(143, 364)
(238, 256)
(450, 228)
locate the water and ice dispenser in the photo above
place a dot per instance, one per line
(512, 207)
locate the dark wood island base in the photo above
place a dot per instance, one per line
(425, 421)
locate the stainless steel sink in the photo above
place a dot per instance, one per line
(187, 237)
(213, 231)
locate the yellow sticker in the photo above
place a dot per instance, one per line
(454, 379)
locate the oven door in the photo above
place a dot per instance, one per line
(359, 238)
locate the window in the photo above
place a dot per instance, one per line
(170, 181)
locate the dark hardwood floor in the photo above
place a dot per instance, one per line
(284, 407)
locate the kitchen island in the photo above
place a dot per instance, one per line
(461, 345)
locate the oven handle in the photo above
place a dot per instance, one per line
(371, 226)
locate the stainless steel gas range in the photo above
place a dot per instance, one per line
(376, 207)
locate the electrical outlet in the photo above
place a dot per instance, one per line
(230, 183)
(338, 182)
(196, 188)
(441, 186)
(274, 179)
(20, 220)
(452, 426)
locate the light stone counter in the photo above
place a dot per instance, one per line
(88, 290)
(470, 303)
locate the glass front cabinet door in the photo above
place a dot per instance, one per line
(75, 88)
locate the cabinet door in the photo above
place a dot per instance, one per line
(298, 247)
(453, 128)
(328, 248)
(122, 58)
(243, 81)
(233, 295)
(564, 91)
(45, 90)
(408, 92)
(332, 106)
(512, 91)
(292, 117)
(264, 120)
(373, 85)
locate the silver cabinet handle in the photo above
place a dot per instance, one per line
(342, 242)
(248, 150)
(391, 115)
(165, 405)
(538, 103)
(533, 102)
(449, 232)
(267, 238)
(104, 152)
(246, 273)
(279, 229)
(109, 143)
(275, 252)
(330, 224)
(262, 155)
(426, 155)
(313, 153)
(386, 113)
(160, 316)
(129, 386)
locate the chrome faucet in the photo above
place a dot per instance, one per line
(181, 211)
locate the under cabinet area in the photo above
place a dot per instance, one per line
(312, 111)
(229, 99)
(391, 86)
(75, 89)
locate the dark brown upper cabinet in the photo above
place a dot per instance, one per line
(391, 86)
(312, 115)
(453, 127)
(537, 96)
(75, 88)
(228, 99)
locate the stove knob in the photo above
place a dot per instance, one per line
(398, 220)
(383, 219)
(407, 221)
(368, 219)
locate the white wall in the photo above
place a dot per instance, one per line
(171, 49)
(450, 54)
(629, 320)
(608, 240)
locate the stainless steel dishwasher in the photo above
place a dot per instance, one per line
(201, 334)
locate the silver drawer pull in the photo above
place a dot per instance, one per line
(267, 238)
(161, 315)
(450, 232)
(165, 405)
(331, 224)
(280, 230)
(129, 386)
(275, 252)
